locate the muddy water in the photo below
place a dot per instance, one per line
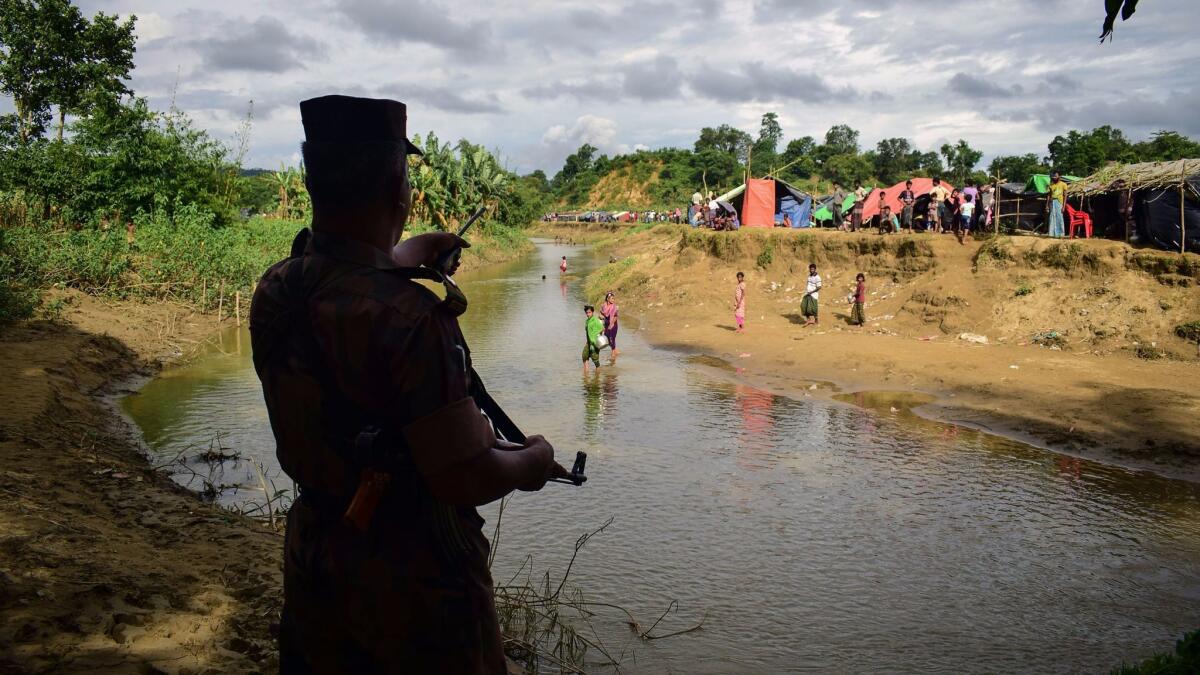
(807, 535)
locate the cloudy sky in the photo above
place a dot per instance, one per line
(534, 79)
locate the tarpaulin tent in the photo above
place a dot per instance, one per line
(921, 187)
(760, 202)
(797, 211)
(1040, 182)
(1018, 209)
(1163, 198)
(825, 213)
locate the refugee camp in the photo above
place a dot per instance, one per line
(384, 336)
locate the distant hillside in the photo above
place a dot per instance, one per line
(645, 181)
(628, 187)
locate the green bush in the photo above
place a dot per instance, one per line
(1185, 660)
(1189, 331)
(766, 256)
(996, 252)
(17, 300)
(187, 259)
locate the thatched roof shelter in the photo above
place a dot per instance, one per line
(1146, 175)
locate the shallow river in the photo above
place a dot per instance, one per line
(808, 535)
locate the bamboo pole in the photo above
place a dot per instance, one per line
(237, 307)
(203, 295)
(1182, 223)
(220, 301)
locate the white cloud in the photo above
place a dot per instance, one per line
(598, 131)
(152, 26)
(537, 78)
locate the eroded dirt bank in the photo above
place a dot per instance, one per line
(106, 565)
(1081, 354)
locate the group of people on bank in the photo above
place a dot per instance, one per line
(947, 210)
(809, 303)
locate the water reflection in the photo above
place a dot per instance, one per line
(599, 401)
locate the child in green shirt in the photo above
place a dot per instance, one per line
(592, 328)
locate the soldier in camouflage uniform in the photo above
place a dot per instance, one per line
(369, 387)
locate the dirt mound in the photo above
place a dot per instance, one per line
(105, 563)
(626, 188)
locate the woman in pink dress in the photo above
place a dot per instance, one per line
(608, 313)
(739, 303)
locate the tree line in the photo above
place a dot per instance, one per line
(720, 156)
(82, 149)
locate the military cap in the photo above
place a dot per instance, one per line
(349, 119)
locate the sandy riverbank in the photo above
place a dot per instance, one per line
(1112, 382)
(106, 565)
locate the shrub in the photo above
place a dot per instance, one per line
(1189, 331)
(766, 256)
(996, 252)
(188, 258)
(1184, 660)
(17, 300)
(1023, 288)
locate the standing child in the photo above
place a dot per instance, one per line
(808, 306)
(739, 303)
(609, 311)
(858, 316)
(562, 266)
(907, 198)
(968, 213)
(592, 328)
(953, 209)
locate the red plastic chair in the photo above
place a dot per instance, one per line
(1077, 218)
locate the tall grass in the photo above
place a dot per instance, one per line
(185, 258)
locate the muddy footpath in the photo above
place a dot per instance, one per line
(106, 564)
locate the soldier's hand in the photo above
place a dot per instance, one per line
(424, 249)
(543, 466)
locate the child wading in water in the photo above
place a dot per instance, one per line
(739, 303)
(610, 312)
(592, 329)
(858, 317)
(808, 306)
(562, 266)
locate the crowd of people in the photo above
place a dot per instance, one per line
(710, 213)
(947, 211)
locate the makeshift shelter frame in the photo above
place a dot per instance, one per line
(1144, 175)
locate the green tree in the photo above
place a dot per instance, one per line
(766, 148)
(926, 164)
(50, 55)
(799, 158)
(1081, 153)
(538, 181)
(1166, 146)
(576, 163)
(961, 159)
(100, 61)
(847, 169)
(1016, 168)
(842, 140)
(724, 139)
(32, 37)
(714, 168)
(892, 159)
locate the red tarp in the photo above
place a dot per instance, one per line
(920, 187)
(758, 203)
